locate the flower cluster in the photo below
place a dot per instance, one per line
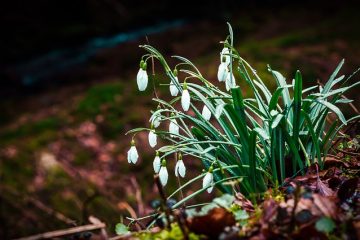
(159, 163)
(241, 140)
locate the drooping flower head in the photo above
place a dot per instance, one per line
(155, 119)
(174, 91)
(230, 82)
(185, 98)
(225, 55)
(157, 163)
(208, 180)
(173, 127)
(163, 173)
(132, 154)
(152, 137)
(142, 77)
(222, 71)
(180, 168)
(206, 113)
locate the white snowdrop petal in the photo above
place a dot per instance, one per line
(222, 72)
(129, 156)
(219, 109)
(157, 164)
(152, 139)
(155, 120)
(173, 127)
(185, 100)
(142, 79)
(177, 169)
(174, 91)
(225, 54)
(209, 190)
(230, 82)
(133, 155)
(163, 175)
(207, 180)
(206, 113)
(181, 168)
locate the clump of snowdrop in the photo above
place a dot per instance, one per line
(142, 76)
(163, 173)
(180, 168)
(132, 154)
(208, 180)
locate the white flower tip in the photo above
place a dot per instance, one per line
(206, 113)
(157, 164)
(132, 155)
(185, 100)
(142, 79)
(180, 168)
(163, 175)
(152, 139)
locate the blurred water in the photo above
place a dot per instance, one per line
(58, 60)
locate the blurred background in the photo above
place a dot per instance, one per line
(68, 91)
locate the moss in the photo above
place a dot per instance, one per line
(101, 97)
(82, 157)
(34, 128)
(17, 172)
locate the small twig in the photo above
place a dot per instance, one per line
(296, 200)
(182, 223)
(125, 205)
(64, 232)
(346, 152)
(140, 203)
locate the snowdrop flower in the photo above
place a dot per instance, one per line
(185, 98)
(157, 163)
(225, 56)
(173, 127)
(132, 154)
(222, 72)
(174, 91)
(208, 180)
(156, 121)
(180, 167)
(206, 113)
(155, 118)
(219, 109)
(152, 137)
(142, 77)
(163, 173)
(230, 83)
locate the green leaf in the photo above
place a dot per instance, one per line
(121, 229)
(224, 201)
(333, 108)
(276, 121)
(275, 98)
(325, 225)
(241, 215)
(297, 107)
(281, 82)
